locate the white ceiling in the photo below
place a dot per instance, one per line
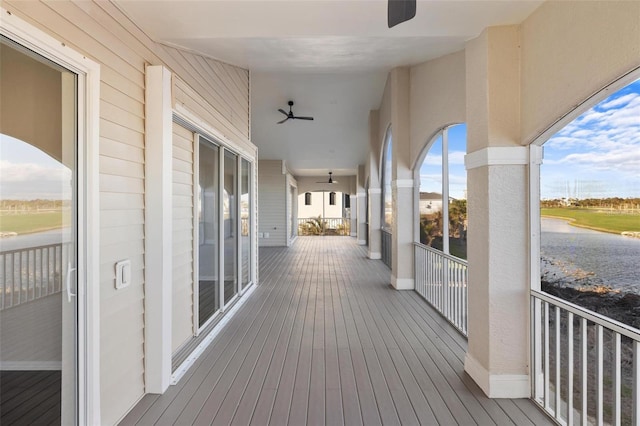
(329, 56)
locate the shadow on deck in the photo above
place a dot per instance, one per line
(325, 340)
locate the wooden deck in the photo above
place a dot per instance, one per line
(30, 397)
(325, 340)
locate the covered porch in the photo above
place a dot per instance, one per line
(325, 339)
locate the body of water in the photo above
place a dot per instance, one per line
(589, 257)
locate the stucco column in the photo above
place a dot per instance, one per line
(498, 244)
(401, 184)
(353, 209)
(375, 238)
(374, 211)
(360, 207)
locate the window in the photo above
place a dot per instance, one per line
(443, 193)
(590, 205)
(387, 201)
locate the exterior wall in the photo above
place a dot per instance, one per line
(315, 209)
(272, 201)
(341, 184)
(562, 69)
(182, 252)
(437, 99)
(292, 209)
(101, 32)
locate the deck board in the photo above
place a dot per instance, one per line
(324, 340)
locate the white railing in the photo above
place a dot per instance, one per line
(386, 248)
(30, 273)
(442, 280)
(585, 366)
(324, 226)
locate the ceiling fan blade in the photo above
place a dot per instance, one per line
(280, 122)
(303, 118)
(283, 111)
(399, 11)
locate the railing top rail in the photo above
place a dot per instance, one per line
(30, 248)
(436, 251)
(322, 218)
(386, 231)
(595, 317)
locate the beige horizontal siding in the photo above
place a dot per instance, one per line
(272, 203)
(218, 93)
(182, 252)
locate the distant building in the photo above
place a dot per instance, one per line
(430, 202)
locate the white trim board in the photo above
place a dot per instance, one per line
(497, 385)
(402, 283)
(497, 156)
(158, 229)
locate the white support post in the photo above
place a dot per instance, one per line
(158, 229)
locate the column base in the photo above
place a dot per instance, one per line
(497, 385)
(362, 242)
(402, 283)
(375, 256)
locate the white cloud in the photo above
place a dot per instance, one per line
(622, 100)
(30, 180)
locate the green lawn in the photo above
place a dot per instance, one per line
(614, 223)
(32, 222)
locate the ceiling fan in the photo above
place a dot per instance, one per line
(399, 11)
(330, 181)
(290, 115)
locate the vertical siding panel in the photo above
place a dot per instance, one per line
(182, 309)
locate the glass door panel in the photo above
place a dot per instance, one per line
(208, 231)
(245, 217)
(38, 244)
(230, 218)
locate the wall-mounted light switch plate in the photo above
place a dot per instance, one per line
(123, 273)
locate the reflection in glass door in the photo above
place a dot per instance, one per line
(230, 217)
(208, 231)
(245, 217)
(38, 238)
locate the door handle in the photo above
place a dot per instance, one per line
(70, 270)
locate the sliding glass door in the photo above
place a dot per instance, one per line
(230, 223)
(224, 229)
(38, 239)
(245, 217)
(208, 231)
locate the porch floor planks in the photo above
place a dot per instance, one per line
(325, 340)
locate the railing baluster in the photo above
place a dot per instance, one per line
(547, 370)
(558, 384)
(636, 383)
(599, 379)
(616, 382)
(570, 367)
(584, 363)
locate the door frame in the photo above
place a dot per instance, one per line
(88, 237)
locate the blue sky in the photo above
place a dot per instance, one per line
(598, 154)
(595, 156)
(431, 170)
